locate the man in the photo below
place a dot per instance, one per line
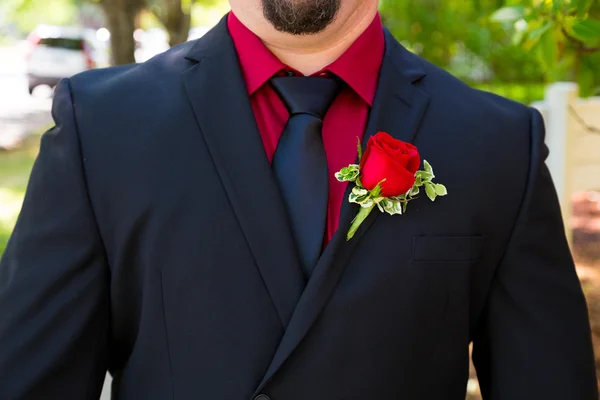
(163, 237)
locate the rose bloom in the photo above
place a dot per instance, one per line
(389, 160)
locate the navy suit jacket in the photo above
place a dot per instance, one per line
(153, 243)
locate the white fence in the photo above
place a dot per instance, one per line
(574, 142)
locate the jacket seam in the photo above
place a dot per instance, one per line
(164, 315)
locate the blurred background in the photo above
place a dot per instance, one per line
(544, 53)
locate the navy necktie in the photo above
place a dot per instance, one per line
(300, 163)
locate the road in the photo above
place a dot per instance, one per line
(20, 113)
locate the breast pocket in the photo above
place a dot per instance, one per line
(447, 249)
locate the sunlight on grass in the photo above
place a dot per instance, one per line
(15, 167)
(10, 205)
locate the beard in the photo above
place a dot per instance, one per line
(300, 17)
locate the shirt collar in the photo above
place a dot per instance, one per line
(358, 66)
(257, 62)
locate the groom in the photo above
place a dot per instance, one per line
(183, 229)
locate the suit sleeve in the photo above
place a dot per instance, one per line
(54, 303)
(534, 341)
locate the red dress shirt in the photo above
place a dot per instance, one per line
(345, 121)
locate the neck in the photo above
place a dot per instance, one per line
(311, 53)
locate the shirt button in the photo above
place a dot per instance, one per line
(262, 397)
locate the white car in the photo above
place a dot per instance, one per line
(58, 53)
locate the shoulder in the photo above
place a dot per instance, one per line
(154, 74)
(116, 109)
(465, 106)
(113, 101)
(468, 132)
(481, 120)
(456, 108)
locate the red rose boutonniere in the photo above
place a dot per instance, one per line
(387, 177)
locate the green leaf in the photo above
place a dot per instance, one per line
(557, 4)
(535, 13)
(390, 206)
(424, 176)
(404, 206)
(348, 174)
(376, 192)
(359, 149)
(536, 34)
(368, 203)
(440, 190)
(430, 189)
(414, 191)
(586, 30)
(428, 167)
(360, 196)
(508, 14)
(580, 7)
(359, 191)
(586, 77)
(548, 50)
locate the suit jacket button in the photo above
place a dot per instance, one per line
(262, 397)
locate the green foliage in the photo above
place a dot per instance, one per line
(563, 34)
(522, 92)
(348, 174)
(587, 30)
(460, 36)
(425, 178)
(500, 43)
(27, 14)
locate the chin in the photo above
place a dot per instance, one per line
(301, 17)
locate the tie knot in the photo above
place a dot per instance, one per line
(307, 94)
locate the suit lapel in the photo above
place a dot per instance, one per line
(218, 97)
(398, 109)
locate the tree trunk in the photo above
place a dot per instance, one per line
(176, 21)
(120, 16)
(179, 31)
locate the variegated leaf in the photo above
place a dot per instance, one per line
(424, 176)
(348, 174)
(358, 199)
(441, 190)
(360, 196)
(360, 191)
(414, 191)
(391, 206)
(428, 167)
(368, 203)
(430, 189)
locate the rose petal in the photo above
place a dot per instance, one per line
(378, 167)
